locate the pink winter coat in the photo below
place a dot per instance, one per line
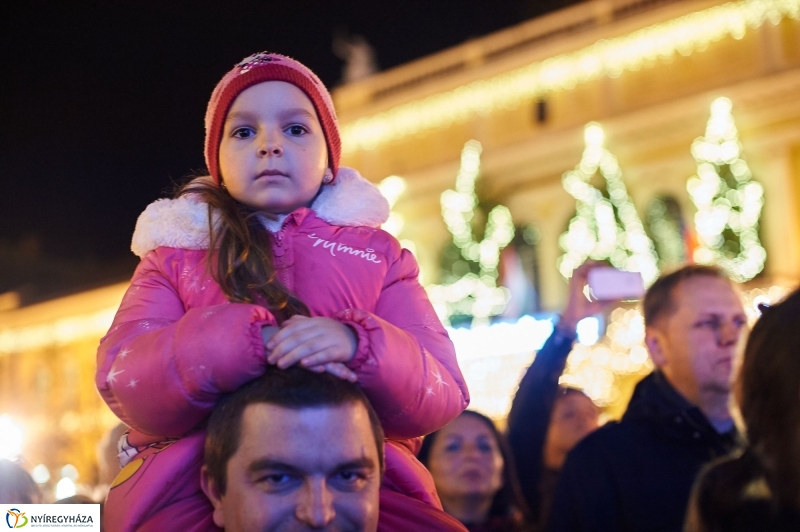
(177, 344)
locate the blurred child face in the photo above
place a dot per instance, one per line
(574, 417)
(465, 459)
(273, 155)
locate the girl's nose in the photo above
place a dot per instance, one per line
(271, 147)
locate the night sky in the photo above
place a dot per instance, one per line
(102, 105)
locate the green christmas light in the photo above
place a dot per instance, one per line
(473, 294)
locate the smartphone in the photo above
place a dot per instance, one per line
(611, 284)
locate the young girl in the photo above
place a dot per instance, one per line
(275, 258)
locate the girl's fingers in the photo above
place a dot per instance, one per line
(323, 356)
(340, 370)
(318, 349)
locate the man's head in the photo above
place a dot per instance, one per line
(294, 450)
(693, 321)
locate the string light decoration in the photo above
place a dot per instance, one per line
(684, 35)
(606, 226)
(472, 294)
(728, 200)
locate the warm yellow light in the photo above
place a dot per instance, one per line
(473, 295)
(11, 438)
(608, 57)
(733, 204)
(58, 332)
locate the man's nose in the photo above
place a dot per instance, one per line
(728, 334)
(315, 507)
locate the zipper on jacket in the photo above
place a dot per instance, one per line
(279, 249)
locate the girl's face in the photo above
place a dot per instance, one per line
(465, 459)
(273, 153)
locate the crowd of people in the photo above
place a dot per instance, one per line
(277, 364)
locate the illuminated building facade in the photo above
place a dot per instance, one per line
(643, 132)
(611, 117)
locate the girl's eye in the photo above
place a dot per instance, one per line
(296, 130)
(243, 133)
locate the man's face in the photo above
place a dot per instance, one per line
(303, 469)
(696, 345)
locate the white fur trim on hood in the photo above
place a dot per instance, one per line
(350, 200)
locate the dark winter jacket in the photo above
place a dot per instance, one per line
(637, 475)
(529, 418)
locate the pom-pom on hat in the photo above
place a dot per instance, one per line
(258, 68)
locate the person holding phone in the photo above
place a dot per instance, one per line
(637, 474)
(547, 420)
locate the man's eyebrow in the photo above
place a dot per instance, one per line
(268, 463)
(359, 463)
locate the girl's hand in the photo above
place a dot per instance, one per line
(318, 344)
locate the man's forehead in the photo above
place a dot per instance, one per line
(315, 437)
(708, 294)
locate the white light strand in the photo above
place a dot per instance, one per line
(608, 57)
(722, 204)
(475, 295)
(594, 232)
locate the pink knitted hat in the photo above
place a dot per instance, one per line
(255, 69)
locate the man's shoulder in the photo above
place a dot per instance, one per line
(611, 437)
(615, 440)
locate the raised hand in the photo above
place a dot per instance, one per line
(578, 305)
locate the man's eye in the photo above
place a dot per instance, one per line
(242, 133)
(349, 480)
(277, 478)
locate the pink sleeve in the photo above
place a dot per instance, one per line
(160, 368)
(405, 362)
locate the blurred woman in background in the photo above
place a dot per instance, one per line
(474, 476)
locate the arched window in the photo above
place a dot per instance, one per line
(669, 232)
(519, 272)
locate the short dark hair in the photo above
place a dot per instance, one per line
(659, 300)
(508, 501)
(293, 388)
